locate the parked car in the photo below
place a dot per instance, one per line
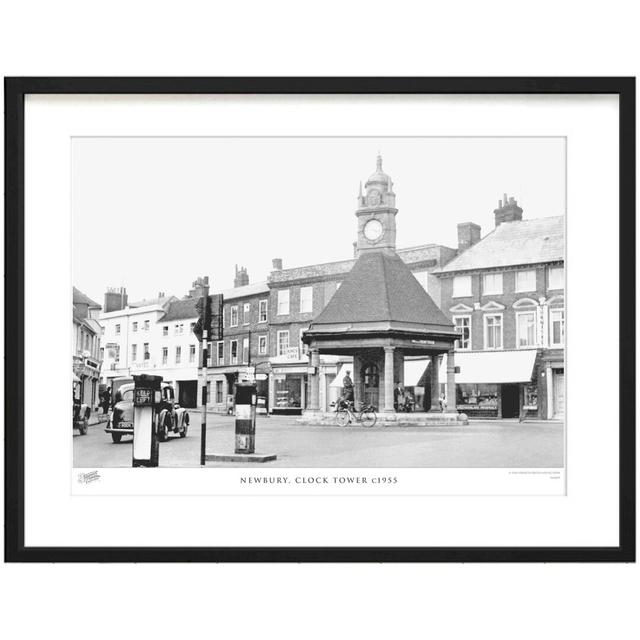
(80, 411)
(170, 416)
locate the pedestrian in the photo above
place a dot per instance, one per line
(443, 402)
(106, 400)
(347, 387)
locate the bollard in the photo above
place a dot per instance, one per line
(245, 402)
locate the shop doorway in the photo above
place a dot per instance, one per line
(558, 393)
(510, 401)
(370, 376)
(188, 393)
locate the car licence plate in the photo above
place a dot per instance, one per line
(125, 425)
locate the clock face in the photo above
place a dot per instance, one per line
(373, 230)
(373, 199)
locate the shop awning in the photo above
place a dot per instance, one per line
(491, 367)
(413, 371)
(337, 381)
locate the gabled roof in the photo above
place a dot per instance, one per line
(81, 298)
(181, 310)
(381, 289)
(514, 243)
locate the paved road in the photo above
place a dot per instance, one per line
(496, 444)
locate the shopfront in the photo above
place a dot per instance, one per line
(497, 384)
(289, 390)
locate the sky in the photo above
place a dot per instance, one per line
(153, 214)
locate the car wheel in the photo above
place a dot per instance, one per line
(162, 431)
(116, 437)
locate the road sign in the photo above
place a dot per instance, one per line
(261, 376)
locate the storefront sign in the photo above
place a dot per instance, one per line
(290, 369)
(423, 341)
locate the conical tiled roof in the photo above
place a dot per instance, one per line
(380, 289)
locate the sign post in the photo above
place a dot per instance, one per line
(146, 397)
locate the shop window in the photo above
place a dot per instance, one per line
(526, 280)
(178, 354)
(306, 299)
(283, 342)
(220, 353)
(526, 329)
(234, 352)
(556, 278)
(262, 345)
(462, 286)
(246, 313)
(192, 353)
(165, 355)
(283, 302)
(262, 311)
(493, 331)
(557, 327)
(463, 327)
(491, 284)
(219, 391)
(288, 391)
(477, 397)
(234, 316)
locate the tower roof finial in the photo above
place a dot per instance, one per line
(379, 162)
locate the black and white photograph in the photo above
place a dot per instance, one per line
(327, 302)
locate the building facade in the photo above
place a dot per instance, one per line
(505, 295)
(245, 344)
(131, 336)
(87, 361)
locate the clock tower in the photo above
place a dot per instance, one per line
(376, 213)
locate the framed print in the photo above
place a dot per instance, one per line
(320, 319)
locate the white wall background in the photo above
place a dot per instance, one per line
(332, 38)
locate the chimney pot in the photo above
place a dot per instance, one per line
(277, 264)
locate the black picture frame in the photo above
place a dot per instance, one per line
(15, 91)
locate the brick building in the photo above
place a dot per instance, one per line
(245, 341)
(505, 294)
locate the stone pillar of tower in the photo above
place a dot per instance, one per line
(388, 379)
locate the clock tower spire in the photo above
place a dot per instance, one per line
(376, 213)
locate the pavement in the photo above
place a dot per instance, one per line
(490, 444)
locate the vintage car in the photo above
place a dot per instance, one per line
(171, 417)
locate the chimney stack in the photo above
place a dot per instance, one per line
(115, 299)
(277, 264)
(468, 234)
(242, 277)
(507, 211)
(197, 290)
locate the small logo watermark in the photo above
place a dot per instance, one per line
(87, 477)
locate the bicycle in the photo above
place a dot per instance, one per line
(366, 416)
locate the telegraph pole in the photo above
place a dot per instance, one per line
(206, 323)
